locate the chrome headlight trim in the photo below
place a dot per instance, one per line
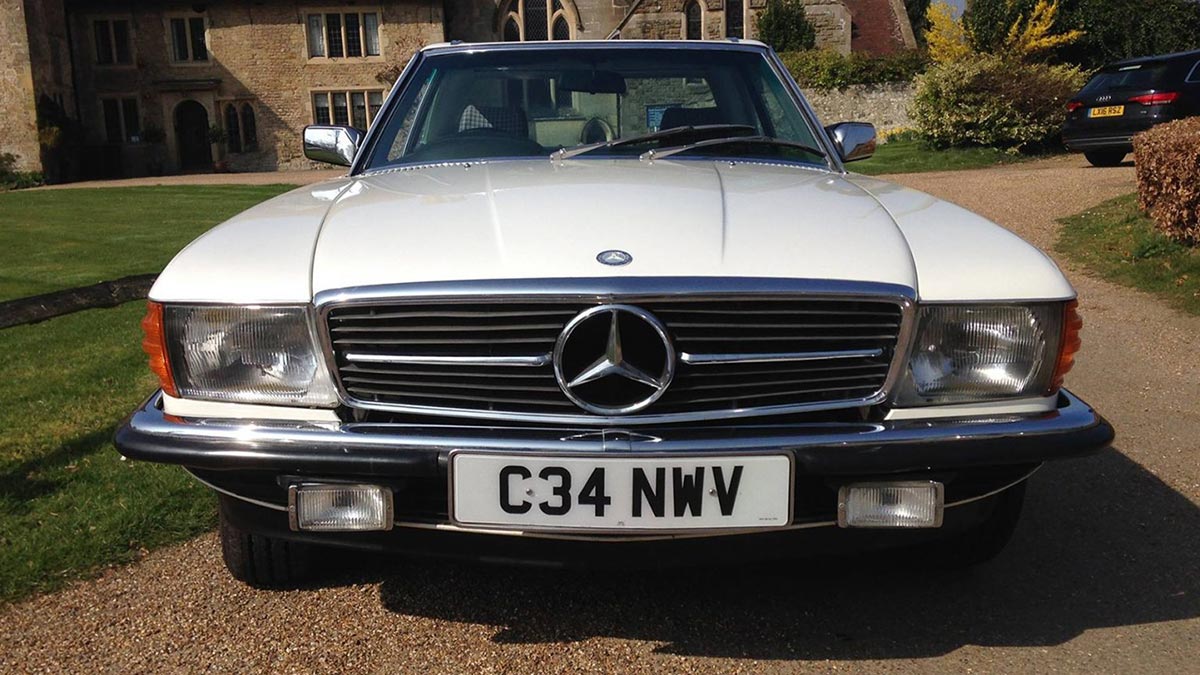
(263, 354)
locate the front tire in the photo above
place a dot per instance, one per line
(1105, 157)
(984, 541)
(261, 561)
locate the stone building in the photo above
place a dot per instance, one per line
(92, 88)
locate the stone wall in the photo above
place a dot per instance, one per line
(884, 105)
(480, 20)
(664, 20)
(832, 22)
(17, 97)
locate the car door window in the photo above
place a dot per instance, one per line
(1194, 76)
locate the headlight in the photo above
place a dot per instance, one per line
(246, 354)
(971, 353)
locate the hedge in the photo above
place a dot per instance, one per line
(822, 69)
(991, 101)
(1167, 158)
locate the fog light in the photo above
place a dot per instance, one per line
(900, 504)
(333, 507)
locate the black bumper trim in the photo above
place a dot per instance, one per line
(371, 449)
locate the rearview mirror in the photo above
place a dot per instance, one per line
(854, 140)
(592, 81)
(332, 145)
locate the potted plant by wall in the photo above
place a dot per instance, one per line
(218, 137)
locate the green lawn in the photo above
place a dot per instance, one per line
(905, 155)
(56, 239)
(1115, 240)
(69, 505)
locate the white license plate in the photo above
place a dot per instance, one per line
(620, 493)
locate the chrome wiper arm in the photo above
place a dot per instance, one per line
(700, 129)
(732, 140)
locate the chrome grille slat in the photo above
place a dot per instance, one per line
(666, 313)
(464, 397)
(476, 335)
(766, 338)
(678, 325)
(507, 373)
(792, 392)
(807, 380)
(491, 386)
(438, 341)
(453, 315)
(711, 372)
(427, 329)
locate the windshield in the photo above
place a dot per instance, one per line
(533, 102)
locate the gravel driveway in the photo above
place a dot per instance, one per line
(1103, 575)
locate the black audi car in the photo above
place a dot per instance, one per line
(1129, 97)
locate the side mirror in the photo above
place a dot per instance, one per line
(854, 140)
(332, 145)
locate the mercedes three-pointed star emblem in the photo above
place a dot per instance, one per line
(621, 378)
(614, 257)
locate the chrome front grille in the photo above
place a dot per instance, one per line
(737, 355)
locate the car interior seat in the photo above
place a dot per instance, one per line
(501, 118)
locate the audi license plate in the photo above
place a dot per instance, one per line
(626, 493)
(1107, 111)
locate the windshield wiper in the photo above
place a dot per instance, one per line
(702, 130)
(733, 140)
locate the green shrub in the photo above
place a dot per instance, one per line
(785, 26)
(824, 69)
(1119, 29)
(988, 21)
(1112, 29)
(1167, 158)
(11, 179)
(987, 100)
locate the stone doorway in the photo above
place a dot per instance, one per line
(191, 136)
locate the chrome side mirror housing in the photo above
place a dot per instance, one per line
(854, 140)
(332, 145)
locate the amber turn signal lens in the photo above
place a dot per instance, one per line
(1069, 346)
(154, 343)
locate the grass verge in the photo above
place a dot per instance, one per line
(908, 155)
(56, 239)
(69, 505)
(1115, 240)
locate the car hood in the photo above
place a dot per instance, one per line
(535, 219)
(530, 219)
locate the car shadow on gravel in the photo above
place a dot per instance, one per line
(1102, 543)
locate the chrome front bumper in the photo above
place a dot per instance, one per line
(420, 450)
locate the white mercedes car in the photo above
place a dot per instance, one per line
(607, 303)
